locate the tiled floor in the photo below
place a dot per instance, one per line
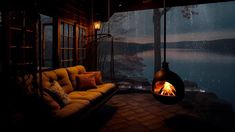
(140, 112)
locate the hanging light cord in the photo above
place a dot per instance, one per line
(164, 6)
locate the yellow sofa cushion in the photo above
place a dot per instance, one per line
(91, 96)
(75, 70)
(103, 88)
(59, 75)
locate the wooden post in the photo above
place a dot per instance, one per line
(56, 42)
(157, 39)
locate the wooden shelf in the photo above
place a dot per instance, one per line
(20, 29)
(25, 63)
(21, 47)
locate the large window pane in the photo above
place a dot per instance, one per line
(200, 46)
(48, 45)
(47, 41)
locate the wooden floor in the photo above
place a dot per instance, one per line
(140, 112)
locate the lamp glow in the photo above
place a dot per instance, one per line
(97, 25)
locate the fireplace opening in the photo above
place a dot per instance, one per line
(164, 88)
(167, 86)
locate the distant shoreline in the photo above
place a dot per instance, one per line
(220, 45)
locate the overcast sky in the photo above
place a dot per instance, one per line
(214, 21)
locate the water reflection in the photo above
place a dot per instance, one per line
(211, 71)
(196, 56)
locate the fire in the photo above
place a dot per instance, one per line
(164, 88)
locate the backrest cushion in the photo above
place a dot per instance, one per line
(75, 70)
(59, 75)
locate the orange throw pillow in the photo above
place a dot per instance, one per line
(98, 76)
(85, 81)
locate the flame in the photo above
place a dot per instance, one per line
(164, 88)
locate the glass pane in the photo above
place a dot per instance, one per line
(80, 54)
(66, 42)
(66, 29)
(62, 35)
(84, 34)
(62, 64)
(70, 54)
(71, 42)
(71, 30)
(80, 37)
(66, 64)
(62, 54)
(66, 54)
(48, 31)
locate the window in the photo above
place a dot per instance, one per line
(200, 46)
(66, 44)
(82, 41)
(47, 41)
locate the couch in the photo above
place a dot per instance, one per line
(80, 103)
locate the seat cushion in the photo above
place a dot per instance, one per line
(104, 88)
(75, 107)
(91, 96)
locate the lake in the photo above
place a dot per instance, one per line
(213, 72)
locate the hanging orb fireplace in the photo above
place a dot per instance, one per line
(167, 86)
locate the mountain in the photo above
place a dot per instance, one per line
(126, 48)
(222, 45)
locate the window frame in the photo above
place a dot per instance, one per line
(67, 51)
